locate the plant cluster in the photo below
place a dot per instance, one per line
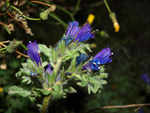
(65, 64)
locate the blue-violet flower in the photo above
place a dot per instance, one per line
(145, 78)
(103, 57)
(49, 69)
(84, 33)
(81, 58)
(74, 32)
(33, 52)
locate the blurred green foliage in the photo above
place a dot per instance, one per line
(130, 60)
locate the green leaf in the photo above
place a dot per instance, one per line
(26, 79)
(42, 91)
(13, 45)
(32, 99)
(19, 91)
(44, 49)
(70, 90)
(57, 93)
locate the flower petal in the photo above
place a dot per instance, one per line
(33, 52)
(84, 33)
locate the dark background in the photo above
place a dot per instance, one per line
(131, 56)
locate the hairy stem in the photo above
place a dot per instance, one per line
(45, 103)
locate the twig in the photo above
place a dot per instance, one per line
(137, 109)
(3, 44)
(36, 19)
(16, 20)
(41, 3)
(5, 41)
(121, 106)
(21, 54)
(15, 51)
(3, 24)
(125, 106)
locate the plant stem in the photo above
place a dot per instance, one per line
(24, 15)
(66, 11)
(24, 46)
(45, 103)
(58, 19)
(41, 3)
(2, 49)
(56, 67)
(77, 7)
(107, 6)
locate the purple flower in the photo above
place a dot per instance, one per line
(84, 33)
(103, 57)
(74, 32)
(82, 58)
(141, 111)
(33, 52)
(145, 78)
(49, 69)
(72, 29)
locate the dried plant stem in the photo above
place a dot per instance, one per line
(41, 3)
(122, 106)
(24, 15)
(126, 106)
(3, 24)
(5, 41)
(21, 54)
(15, 50)
(16, 21)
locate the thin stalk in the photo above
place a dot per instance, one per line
(41, 3)
(21, 54)
(3, 49)
(5, 41)
(16, 21)
(77, 7)
(66, 11)
(45, 103)
(58, 19)
(56, 67)
(24, 46)
(24, 15)
(107, 6)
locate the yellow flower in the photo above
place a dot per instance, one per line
(93, 45)
(90, 18)
(1, 89)
(115, 22)
(116, 26)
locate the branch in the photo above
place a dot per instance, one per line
(125, 106)
(121, 106)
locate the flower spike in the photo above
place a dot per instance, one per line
(103, 57)
(33, 52)
(84, 33)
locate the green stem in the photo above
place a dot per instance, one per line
(24, 46)
(107, 6)
(3, 49)
(58, 19)
(56, 67)
(24, 15)
(77, 7)
(66, 11)
(45, 103)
